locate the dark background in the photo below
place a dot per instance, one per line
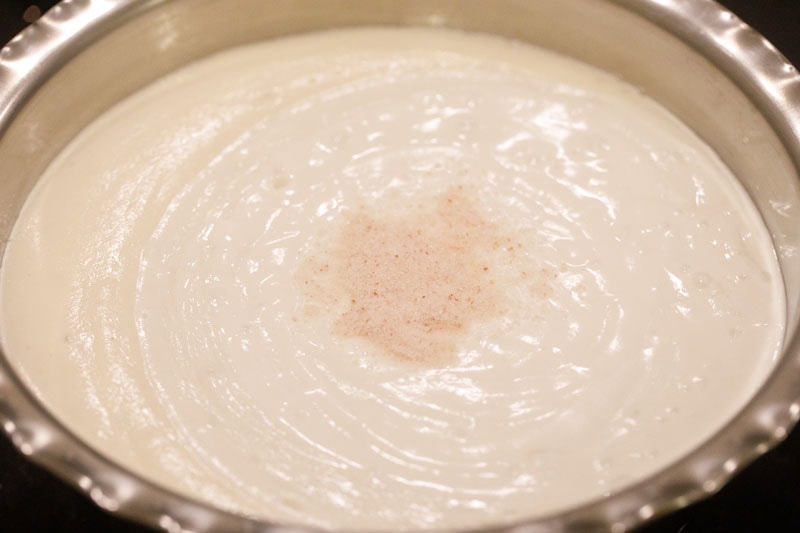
(763, 498)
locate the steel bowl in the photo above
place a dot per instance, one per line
(711, 70)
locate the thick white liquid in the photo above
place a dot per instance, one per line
(150, 293)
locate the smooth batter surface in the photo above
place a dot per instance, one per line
(225, 283)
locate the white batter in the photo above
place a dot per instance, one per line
(154, 295)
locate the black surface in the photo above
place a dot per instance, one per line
(763, 498)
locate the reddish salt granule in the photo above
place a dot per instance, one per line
(412, 283)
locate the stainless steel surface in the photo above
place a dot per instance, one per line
(711, 70)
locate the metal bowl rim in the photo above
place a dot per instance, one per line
(38, 51)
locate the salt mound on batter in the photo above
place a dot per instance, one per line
(410, 283)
